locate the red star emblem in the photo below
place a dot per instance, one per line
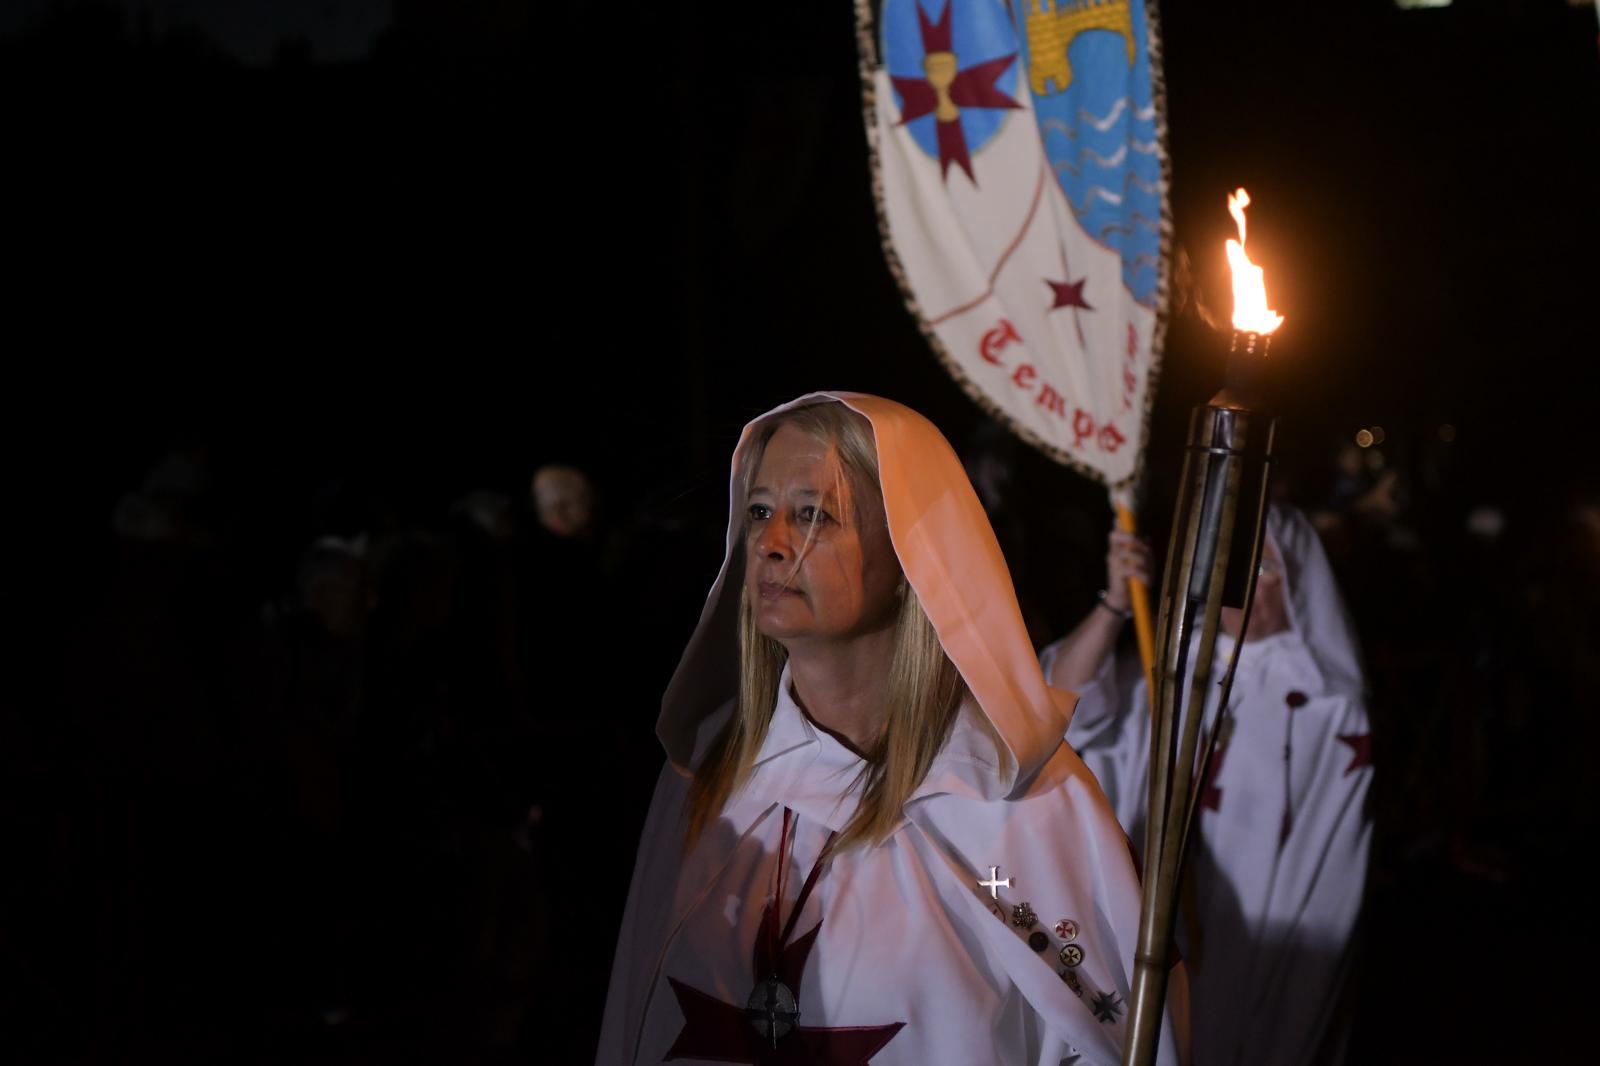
(1361, 750)
(1069, 295)
(721, 1032)
(972, 87)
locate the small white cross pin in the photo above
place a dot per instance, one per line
(994, 884)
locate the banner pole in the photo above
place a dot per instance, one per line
(1139, 595)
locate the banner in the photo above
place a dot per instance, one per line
(1020, 171)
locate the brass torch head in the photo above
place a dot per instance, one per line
(1246, 370)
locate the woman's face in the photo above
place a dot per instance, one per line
(817, 568)
(1270, 613)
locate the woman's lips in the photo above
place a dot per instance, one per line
(771, 590)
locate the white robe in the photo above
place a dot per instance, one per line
(1279, 864)
(908, 936)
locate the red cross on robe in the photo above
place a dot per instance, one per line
(721, 1032)
(1360, 748)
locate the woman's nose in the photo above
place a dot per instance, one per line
(773, 541)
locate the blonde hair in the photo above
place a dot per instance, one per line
(925, 690)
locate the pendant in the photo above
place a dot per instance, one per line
(772, 1010)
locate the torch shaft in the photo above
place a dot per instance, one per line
(1193, 589)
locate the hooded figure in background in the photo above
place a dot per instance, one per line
(870, 842)
(1279, 867)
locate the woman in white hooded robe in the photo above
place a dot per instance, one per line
(1279, 867)
(960, 894)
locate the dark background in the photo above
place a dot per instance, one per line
(304, 270)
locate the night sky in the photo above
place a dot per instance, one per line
(508, 233)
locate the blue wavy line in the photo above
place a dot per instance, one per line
(1139, 222)
(1130, 179)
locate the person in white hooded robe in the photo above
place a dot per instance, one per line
(1278, 867)
(870, 842)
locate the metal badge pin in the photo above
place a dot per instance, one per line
(995, 883)
(1107, 1007)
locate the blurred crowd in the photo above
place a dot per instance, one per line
(379, 807)
(368, 789)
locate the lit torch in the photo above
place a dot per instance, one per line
(1253, 321)
(1212, 560)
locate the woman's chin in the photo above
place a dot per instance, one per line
(779, 621)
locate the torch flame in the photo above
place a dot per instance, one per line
(1250, 311)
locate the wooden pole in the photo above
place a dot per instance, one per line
(1139, 595)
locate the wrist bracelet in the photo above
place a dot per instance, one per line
(1119, 612)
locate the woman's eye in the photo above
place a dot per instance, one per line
(809, 515)
(760, 512)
